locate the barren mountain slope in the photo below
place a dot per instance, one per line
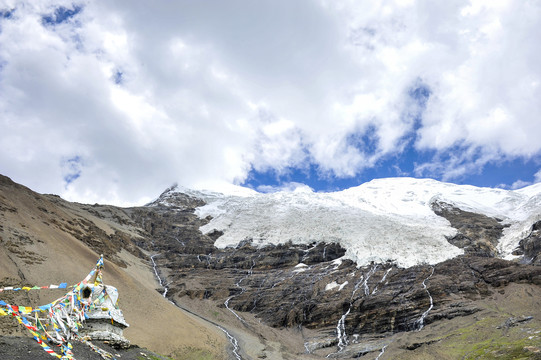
(45, 240)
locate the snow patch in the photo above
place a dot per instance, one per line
(331, 286)
(300, 268)
(335, 285)
(342, 285)
(337, 262)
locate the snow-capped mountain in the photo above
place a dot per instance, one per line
(382, 220)
(292, 290)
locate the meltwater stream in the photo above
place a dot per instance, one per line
(162, 285)
(421, 320)
(341, 327)
(231, 338)
(382, 280)
(243, 289)
(382, 352)
(234, 341)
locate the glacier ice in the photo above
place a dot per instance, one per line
(381, 220)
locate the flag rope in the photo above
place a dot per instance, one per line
(63, 317)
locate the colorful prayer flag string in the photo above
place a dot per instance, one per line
(28, 288)
(63, 317)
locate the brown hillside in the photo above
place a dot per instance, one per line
(46, 240)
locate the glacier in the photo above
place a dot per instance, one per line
(366, 219)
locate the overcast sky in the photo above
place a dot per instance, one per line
(113, 101)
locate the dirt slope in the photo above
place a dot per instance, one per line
(44, 240)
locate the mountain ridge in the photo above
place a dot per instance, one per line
(290, 300)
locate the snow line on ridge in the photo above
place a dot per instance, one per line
(382, 220)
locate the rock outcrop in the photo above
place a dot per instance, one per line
(477, 234)
(530, 247)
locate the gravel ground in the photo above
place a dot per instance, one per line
(26, 348)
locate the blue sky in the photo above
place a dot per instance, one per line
(112, 102)
(509, 174)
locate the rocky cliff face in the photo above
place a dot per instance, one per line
(530, 247)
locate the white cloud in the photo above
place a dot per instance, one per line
(537, 176)
(520, 184)
(486, 98)
(146, 94)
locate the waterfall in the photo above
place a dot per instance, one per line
(230, 337)
(365, 283)
(382, 280)
(421, 320)
(154, 266)
(243, 289)
(341, 331)
(382, 351)
(341, 334)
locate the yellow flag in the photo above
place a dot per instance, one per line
(25, 309)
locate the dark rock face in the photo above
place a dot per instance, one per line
(477, 234)
(172, 231)
(530, 247)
